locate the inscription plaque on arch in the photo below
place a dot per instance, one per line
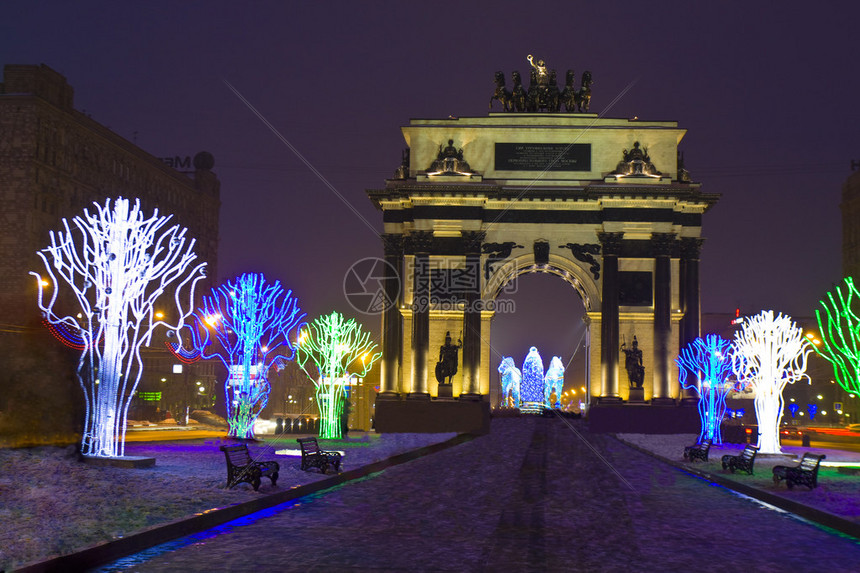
(543, 157)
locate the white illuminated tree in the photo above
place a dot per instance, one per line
(117, 263)
(332, 350)
(770, 352)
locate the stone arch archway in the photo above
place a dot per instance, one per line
(521, 197)
(563, 267)
(585, 290)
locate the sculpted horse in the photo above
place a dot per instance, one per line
(511, 379)
(583, 96)
(553, 103)
(568, 95)
(501, 93)
(554, 382)
(518, 93)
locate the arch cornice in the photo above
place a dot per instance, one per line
(566, 268)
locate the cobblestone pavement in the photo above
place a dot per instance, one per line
(536, 494)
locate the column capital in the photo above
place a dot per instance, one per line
(472, 241)
(611, 243)
(420, 242)
(662, 244)
(691, 247)
(392, 243)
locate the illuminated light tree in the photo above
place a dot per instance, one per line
(532, 389)
(332, 350)
(770, 352)
(709, 360)
(840, 335)
(812, 409)
(117, 263)
(252, 321)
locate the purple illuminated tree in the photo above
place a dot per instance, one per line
(770, 352)
(709, 360)
(253, 322)
(117, 263)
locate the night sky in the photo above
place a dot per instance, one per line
(767, 93)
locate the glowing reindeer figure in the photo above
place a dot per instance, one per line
(554, 382)
(511, 380)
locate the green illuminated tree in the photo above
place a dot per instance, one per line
(840, 334)
(332, 350)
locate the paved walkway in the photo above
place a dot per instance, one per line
(536, 494)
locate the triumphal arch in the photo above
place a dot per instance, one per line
(603, 203)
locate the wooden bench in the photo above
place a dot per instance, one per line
(743, 462)
(804, 473)
(698, 451)
(241, 468)
(314, 457)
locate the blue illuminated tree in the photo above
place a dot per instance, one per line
(254, 324)
(332, 350)
(118, 263)
(709, 360)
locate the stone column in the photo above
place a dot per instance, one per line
(611, 248)
(421, 242)
(662, 245)
(472, 317)
(392, 320)
(690, 299)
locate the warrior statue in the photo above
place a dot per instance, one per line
(447, 365)
(633, 363)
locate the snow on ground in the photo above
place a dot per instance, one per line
(837, 493)
(51, 504)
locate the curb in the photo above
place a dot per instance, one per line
(818, 516)
(109, 551)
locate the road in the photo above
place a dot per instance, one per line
(535, 494)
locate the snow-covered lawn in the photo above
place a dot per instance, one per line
(837, 493)
(51, 504)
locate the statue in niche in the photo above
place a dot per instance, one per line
(447, 365)
(501, 94)
(633, 363)
(449, 161)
